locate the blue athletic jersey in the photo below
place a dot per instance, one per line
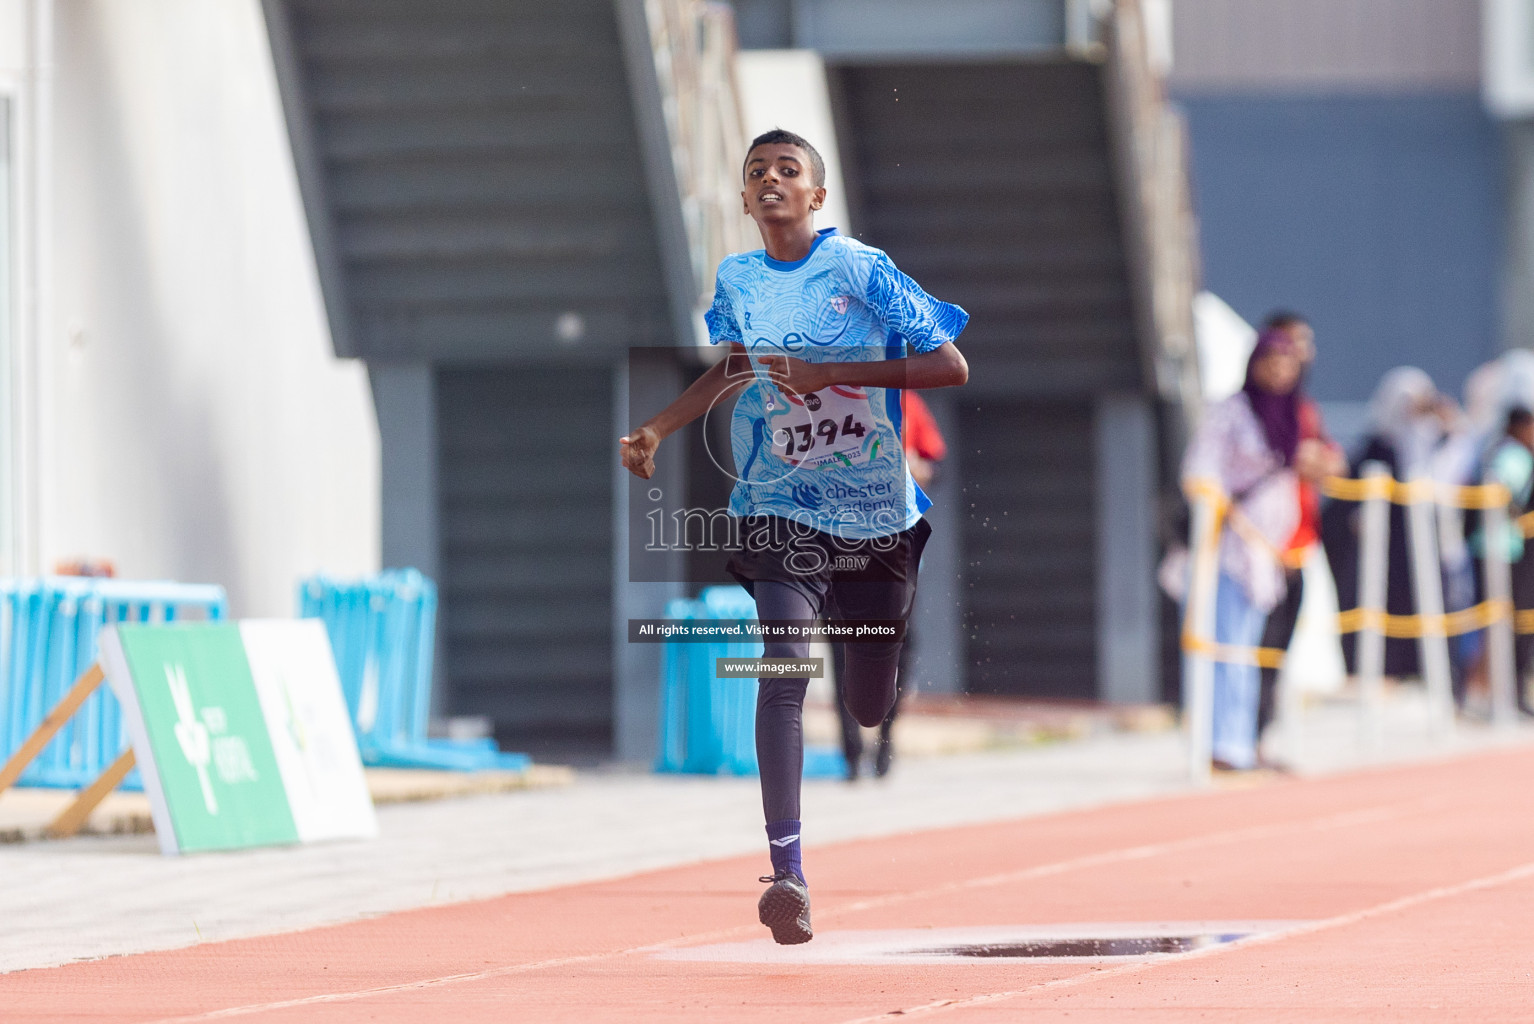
(832, 459)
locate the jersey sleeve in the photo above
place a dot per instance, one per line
(720, 318)
(904, 309)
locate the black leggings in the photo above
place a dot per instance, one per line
(868, 686)
(852, 736)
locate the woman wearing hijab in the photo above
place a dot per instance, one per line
(1405, 420)
(1316, 458)
(1247, 446)
(1406, 429)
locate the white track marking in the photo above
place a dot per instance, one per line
(447, 979)
(1131, 853)
(1367, 816)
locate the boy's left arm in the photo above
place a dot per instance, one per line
(905, 311)
(942, 367)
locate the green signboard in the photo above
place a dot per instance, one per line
(240, 733)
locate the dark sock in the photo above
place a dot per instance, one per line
(783, 845)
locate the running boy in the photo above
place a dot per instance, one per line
(818, 325)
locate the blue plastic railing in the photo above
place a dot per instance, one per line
(708, 725)
(383, 632)
(48, 630)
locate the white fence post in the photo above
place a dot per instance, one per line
(1198, 668)
(1427, 589)
(1373, 567)
(1501, 664)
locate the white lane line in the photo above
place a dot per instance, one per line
(448, 979)
(1517, 874)
(899, 947)
(382, 990)
(1365, 816)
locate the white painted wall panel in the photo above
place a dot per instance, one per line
(200, 427)
(13, 36)
(787, 89)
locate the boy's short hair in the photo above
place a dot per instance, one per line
(788, 138)
(1518, 417)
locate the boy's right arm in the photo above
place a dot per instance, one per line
(722, 381)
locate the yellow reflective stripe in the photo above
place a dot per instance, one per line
(1262, 657)
(1410, 627)
(1400, 627)
(1475, 496)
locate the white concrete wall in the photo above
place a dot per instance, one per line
(21, 38)
(13, 35)
(196, 424)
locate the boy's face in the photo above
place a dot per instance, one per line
(779, 186)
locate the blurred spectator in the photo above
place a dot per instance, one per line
(1510, 462)
(923, 442)
(924, 449)
(1459, 463)
(1247, 446)
(1409, 420)
(1516, 368)
(1316, 458)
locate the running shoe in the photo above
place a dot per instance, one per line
(785, 908)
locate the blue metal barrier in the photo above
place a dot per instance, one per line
(708, 725)
(48, 630)
(383, 632)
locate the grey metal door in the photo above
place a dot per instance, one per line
(526, 513)
(1029, 548)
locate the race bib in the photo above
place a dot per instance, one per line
(823, 426)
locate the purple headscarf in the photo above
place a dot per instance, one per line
(1278, 414)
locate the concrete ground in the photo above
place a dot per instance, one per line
(101, 896)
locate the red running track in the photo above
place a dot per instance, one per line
(1409, 894)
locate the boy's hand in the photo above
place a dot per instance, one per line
(795, 376)
(637, 451)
